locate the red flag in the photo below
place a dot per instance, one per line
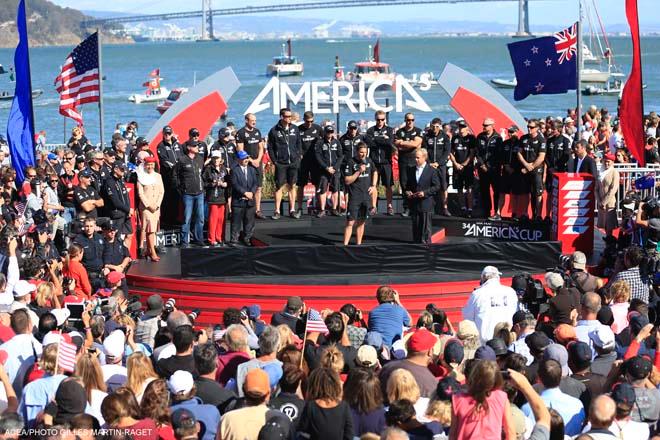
(66, 356)
(377, 51)
(155, 72)
(631, 111)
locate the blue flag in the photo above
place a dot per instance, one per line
(20, 126)
(546, 65)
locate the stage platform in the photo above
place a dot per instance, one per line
(306, 257)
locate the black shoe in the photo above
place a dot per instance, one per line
(320, 214)
(469, 213)
(247, 242)
(390, 211)
(276, 216)
(294, 214)
(185, 245)
(446, 212)
(260, 215)
(405, 213)
(495, 218)
(334, 213)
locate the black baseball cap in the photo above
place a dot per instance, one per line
(352, 124)
(462, 124)
(183, 418)
(109, 226)
(119, 164)
(167, 130)
(579, 353)
(85, 173)
(513, 129)
(498, 345)
(537, 341)
(436, 121)
(624, 393)
(110, 152)
(223, 132)
(520, 316)
(193, 132)
(329, 129)
(638, 367)
(141, 141)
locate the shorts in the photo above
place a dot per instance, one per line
(548, 181)
(535, 183)
(519, 183)
(442, 174)
(385, 174)
(260, 175)
(464, 179)
(309, 171)
(328, 180)
(286, 174)
(358, 209)
(504, 183)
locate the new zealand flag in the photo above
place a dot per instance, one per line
(546, 65)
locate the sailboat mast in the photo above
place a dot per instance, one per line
(578, 90)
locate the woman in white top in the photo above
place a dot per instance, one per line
(89, 370)
(402, 385)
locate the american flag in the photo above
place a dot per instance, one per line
(315, 322)
(66, 356)
(78, 82)
(566, 43)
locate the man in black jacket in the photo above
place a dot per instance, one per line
(285, 151)
(489, 159)
(117, 203)
(310, 134)
(244, 182)
(580, 162)
(188, 179)
(329, 158)
(169, 153)
(438, 145)
(422, 185)
(380, 140)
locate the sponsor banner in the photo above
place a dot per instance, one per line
(497, 230)
(573, 212)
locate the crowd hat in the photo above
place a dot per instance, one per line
(638, 367)
(154, 305)
(242, 154)
(352, 124)
(113, 345)
(183, 418)
(462, 124)
(256, 381)
(467, 329)
(602, 337)
(580, 354)
(485, 353)
(115, 277)
(454, 352)
(554, 280)
(565, 333)
(254, 311)
(624, 393)
(499, 346)
(374, 339)
(638, 322)
(61, 315)
(167, 130)
(520, 316)
(579, 260)
(421, 340)
(193, 132)
(367, 356)
(109, 226)
(605, 316)
(71, 398)
(513, 129)
(537, 341)
(328, 129)
(489, 121)
(277, 427)
(216, 153)
(181, 382)
(490, 270)
(558, 353)
(140, 141)
(22, 288)
(150, 159)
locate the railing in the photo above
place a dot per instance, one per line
(628, 174)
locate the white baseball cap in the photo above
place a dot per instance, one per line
(22, 288)
(490, 270)
(61, 315)
(602, 337)
(113, 345)
(180, 382)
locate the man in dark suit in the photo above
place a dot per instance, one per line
(243, 186)
(580, 162)
(422, 185)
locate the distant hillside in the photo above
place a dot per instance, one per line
(48, 24)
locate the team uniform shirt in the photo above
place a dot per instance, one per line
(93, 251)
(407, 156)
(169, 154)
(462, 146)
(309, 136)
(531, 148)
(359, 189)
(81, 195)
(380, 141)
(250, 140)
(509, 152)
(438, 147)
(349, 145)
(558, 151)
(489, 151)
(114, 252)
(328, 154)
(284, 144)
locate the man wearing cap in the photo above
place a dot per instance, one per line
(420, 350)
(565, 301)
(623, 426)
(567, 385)
(407, 140)
(86, 198)
(188, 180)
(249, 138)
(185, 425)
(169, 153)
(141, 145)
(285, 151)
(647, 400)
(92, 244)
(310, 135)
(531, 156)
(579, 361)
(115, 254)
(523, 326)
(245, 423)
(380, 139)
(463, 147)
(490, 303)
(194, 138)
(438, 145)
(329, 157)
(604, 344)
(244, 183)
(583, 280)
(183, 389)
(488, 158)
(117, 203)
(291, 315)
(150, 321)
(556, 158)
(23, 291)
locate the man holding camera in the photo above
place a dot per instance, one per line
(583, 280)
(389, 317)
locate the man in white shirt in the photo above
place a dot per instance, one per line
(13, 274)
(23, 350)
(490, 304)
(22, 297)
(588, 318)
(114, 373)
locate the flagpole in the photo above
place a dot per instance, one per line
(302, 356)
(578, 63)
(98, 39)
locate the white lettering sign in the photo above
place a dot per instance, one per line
(328, 96)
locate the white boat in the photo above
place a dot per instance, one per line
(171, 98)
(9, 95)
(504, 83)
(588, 57)
(588, 76)
(612, 88)
(154, 93)
(372, 69)
(286, 64)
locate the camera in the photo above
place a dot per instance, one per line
(650, 208)
(530, 292)
(565, 262)
(194, 314)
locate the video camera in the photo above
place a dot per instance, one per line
(651, 208)
(530, 292)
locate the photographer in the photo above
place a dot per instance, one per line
(150, 321)
(355, 334)
(390, 316)
(631, 273)
(565, 302)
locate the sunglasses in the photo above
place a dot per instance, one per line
(54, 181)
(286, 116)
(69, 157)
(380, 120)
(31, 176)
(410, 120)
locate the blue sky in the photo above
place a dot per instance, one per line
(541, 11)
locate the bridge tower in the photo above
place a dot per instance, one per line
(523, 19)
(207, 20)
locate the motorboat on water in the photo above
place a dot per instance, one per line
(611, 88)
(171, 99)
(372, 69)
(155, 92)
(8, 96)
(286, 64)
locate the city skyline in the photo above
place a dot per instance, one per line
(541, 12)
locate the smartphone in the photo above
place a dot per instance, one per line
(505, 374)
